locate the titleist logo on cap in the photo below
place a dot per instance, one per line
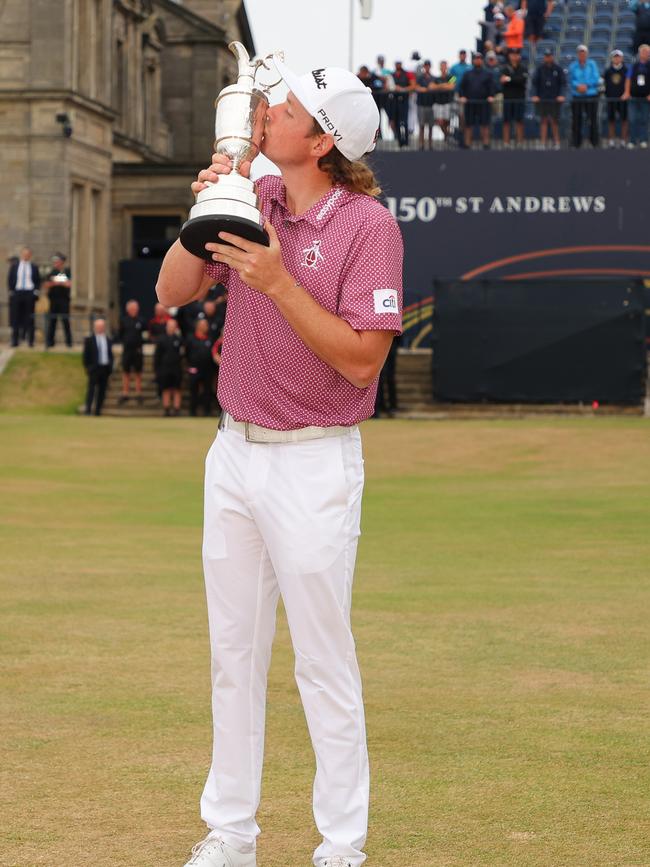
(319, 78)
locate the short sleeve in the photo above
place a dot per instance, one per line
(217, 271)
(371, 291)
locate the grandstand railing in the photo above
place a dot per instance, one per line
(531, 120)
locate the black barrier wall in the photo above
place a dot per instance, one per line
(548, 342)
(519, 214)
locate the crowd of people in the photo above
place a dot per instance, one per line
(25, 284)
(493, 92)
(187, 348)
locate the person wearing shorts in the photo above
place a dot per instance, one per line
(167, 364)
(537, 12)
(425, 100)
(549, 84)
(514, 80)
(132, 328)
(615, 77)
(477, 95)
(310, 322)
(445, 85)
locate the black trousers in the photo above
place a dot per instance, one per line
(201, 384)
(384, 402)
(22, 316)
(97, 382)
(62, 313)
(401, 118)
(581, 109)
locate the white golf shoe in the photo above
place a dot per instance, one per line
(213, 852)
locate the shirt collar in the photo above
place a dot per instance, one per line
(320, 213)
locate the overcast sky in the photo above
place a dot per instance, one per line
(315, 33)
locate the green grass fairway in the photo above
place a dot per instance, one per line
(502, 614)
(42, 382)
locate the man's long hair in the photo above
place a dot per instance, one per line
(354, 175)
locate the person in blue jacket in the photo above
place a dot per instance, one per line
(584, 81)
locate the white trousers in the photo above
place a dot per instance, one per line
(284, 519)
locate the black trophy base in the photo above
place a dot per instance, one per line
(200, 231)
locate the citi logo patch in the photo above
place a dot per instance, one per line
(319, 78)
(386, 301)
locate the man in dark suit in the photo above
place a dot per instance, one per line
(98, 361)
(23, 281)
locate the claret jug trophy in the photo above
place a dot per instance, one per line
(231, 204)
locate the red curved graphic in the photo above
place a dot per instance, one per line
(556, 251)
(565, 272)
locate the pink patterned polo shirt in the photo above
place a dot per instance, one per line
(346, 251)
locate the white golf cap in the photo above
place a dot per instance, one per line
(341, 103)
(582, 48)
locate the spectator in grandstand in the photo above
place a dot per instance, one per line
(200, 368)
(459, 69)
(514, 33)
(642, 33)
(549, 84)
(401, 103)
(375, 83)
(23, 282)
(477, 95)
(167, 364)
(98, 361)
(637, 90)
(514, 80)
(414, 65)
(493, 29)
(445, 85)
(131, 332)
(493, 65)
(584, 82)
(385, 99)
(537, 12)
(157, 325)
(615, 78)
(425, 99)
(58, 285)
(499, 38)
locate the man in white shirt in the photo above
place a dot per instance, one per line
(23, 281)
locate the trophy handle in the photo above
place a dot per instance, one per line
(261, 64)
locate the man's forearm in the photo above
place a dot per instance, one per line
(182, 277)
(328, 336)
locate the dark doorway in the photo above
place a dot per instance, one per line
(153, 236)
(138, 281)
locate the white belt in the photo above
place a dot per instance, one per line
(254, 433)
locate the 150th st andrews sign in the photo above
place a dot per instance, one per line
(519, 214)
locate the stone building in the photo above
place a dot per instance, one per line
(106, 113)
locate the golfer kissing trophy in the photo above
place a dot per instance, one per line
(231, 204)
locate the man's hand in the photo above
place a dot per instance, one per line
(561, 98)
(259, 267)
(536, 99)
(582, 88)
(221, 165)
